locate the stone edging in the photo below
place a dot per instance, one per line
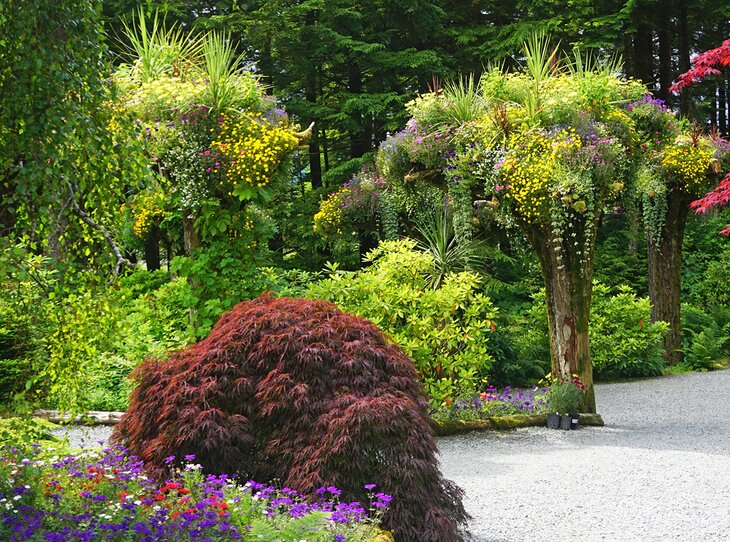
(93, 417)
(457, 427)
(441, 427)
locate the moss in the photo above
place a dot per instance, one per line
(455, 427)
(382, 536)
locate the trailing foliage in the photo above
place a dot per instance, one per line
(297, 391)
(68, 152)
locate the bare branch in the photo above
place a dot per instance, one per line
(108, 237)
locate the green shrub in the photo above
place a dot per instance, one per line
(445, 330)
(22, 432)
(705, 337)
(528, 330)
(624, 341)
(564, 397)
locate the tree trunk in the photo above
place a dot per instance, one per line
(665, 263)
(152, 249)
(7, 208)
(643, 55)
(359, 144)
(628, 53)
(665, 56)
(722, 106)
(310, 40)
(191, 239)
(568, 288)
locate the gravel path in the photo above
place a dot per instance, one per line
(658, 471)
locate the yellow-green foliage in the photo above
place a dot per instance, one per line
(22, 432)
(160, 99)
(254, 149)
(444, 330)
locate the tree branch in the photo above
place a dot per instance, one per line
(121, 260)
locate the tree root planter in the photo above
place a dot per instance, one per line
(456, 427)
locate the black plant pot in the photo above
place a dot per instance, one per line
(574, 420)
(565, 422)
(553, 421)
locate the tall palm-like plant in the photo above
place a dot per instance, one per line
(229, 82)
(155, 50)
(540, 62)
(449, 255)
(464, 101)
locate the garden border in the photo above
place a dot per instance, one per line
(441, 427)
(457, 427)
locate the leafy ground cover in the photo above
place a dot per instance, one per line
(105, 495)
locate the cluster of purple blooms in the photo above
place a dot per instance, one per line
(106, 496)
(359, 199)
(649, 100)
(494, 402)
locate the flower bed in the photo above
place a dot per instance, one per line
(495, 403)
(494, 409)
(106, 496)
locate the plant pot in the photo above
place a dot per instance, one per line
(553, 421)
(565, 422)
(574, 420)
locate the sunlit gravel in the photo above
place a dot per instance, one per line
(658, 471)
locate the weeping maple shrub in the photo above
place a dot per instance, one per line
(297, 391)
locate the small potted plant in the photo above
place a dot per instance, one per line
(564, 399)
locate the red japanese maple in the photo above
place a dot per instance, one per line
(718, 197)
(705, 65)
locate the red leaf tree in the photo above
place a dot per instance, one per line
(704, 65)
(299, 392)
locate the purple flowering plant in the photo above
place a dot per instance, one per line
(105, 495)
(493, 402)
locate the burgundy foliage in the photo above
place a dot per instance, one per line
(298, 392)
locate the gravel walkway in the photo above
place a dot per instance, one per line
(658, 471)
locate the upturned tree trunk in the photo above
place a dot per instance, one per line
(665, 264)
(567, 271)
